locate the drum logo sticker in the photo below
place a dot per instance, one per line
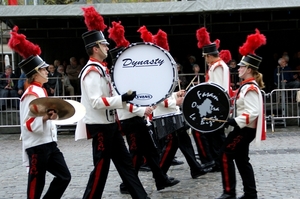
(143, 96)
(206, 107)
(129, 63)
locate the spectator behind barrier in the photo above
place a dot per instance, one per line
(8, 88)
(283, 77)
(67, 86)
(54, 85)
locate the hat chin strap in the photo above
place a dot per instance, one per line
(43, 76)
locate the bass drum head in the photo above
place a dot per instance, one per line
(147, 69)
(206, 100)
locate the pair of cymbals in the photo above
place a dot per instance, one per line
(68, 111)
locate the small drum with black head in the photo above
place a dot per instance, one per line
(147, 69)
(205, 107)
(167, 124)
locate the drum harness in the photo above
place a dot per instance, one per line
(109, 113)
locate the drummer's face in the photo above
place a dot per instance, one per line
(103, 50)
(207, 59)
(242, 71)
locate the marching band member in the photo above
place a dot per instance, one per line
(38, 133)
(133, 124)
(209, 144)
(142, 144)
(100, 120)
(248, 122)
(178, 139)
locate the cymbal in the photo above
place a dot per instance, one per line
(40, 107)
(80, 112)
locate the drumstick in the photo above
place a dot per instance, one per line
(179, 84)
(216, 120)
(190, 83)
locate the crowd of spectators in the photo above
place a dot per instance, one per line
(63, 81)
(63, 76)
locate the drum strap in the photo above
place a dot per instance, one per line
(93, 64)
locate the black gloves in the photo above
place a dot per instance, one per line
(128, 97)
(231, 122)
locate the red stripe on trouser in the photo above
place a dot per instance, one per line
(32, 189)
(168, 148)
(198, 139)
(97, 177)
(134, 161)
(226, 173)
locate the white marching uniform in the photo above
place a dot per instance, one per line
(99, 103)
(249, 108)
(167, 106)
(129, 111)
(219, 73)
(34, 131)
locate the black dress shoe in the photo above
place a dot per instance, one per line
(216, 169)
(226, 196)
(167, 183)
(196, 174)
(176, 162)
(145, 167)
(208, 164)
(170, 178)
(123, 189)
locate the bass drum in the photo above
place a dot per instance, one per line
(206, 100)
(147, 69)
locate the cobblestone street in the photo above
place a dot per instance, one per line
(276, 165)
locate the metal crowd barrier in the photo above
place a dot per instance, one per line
(283, 106)
(279, 106)
(10, 114)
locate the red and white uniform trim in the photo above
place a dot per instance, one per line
(219, 73)
(100, 100)
(167, 106)
(249, 108)
(34, 131)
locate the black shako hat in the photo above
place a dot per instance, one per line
(250, 60)
(210, 49)
(93, 37)
(32, 64)
(114, 52)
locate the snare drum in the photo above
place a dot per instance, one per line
(147, 69)
(206, 100)
(167, 124)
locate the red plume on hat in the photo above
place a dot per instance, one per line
(116, 33)
(217, 42)
(161, 39)
(93, 20)
(203, 37)
(21, 45)
(146, 36)
(253, 42)
(225, 55)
